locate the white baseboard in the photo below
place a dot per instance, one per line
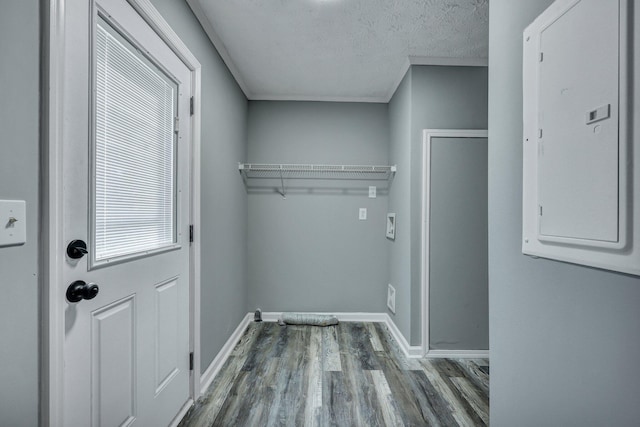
(343, 317)
(214, 367)
(457, 354)
(183, 411)
(411, 351)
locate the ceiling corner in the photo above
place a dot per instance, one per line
(219, 46)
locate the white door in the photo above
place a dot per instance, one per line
(125, 161)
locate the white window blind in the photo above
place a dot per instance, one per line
(134, 165)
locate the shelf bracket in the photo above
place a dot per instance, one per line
(282, 193)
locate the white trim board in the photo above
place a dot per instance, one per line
(183, 411)
(216, 364)
(411, 351)
(51, 220)
(446, 61)
(457, 354)
(427, 135)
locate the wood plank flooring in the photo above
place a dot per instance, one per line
(351, 374)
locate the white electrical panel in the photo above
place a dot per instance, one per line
(577, 181)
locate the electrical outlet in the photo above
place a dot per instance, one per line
(391, 298)
(372, 191)
(362, 214)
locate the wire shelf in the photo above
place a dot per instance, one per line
(307, 171)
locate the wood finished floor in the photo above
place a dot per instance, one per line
(351, 374)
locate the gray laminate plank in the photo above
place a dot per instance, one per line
(356, 355)
(351, 374)
(435, 409)
(313, 374)
(454, 371)
(374, 338)
(473, 397)
(458, 412)
(474, 373)
(355, 337)
(338, 405)
(231, 407)
(293, 384)
(264, 344)
(246, 340)
(331, 349)
(254, 391)
(390, 412)
(400, 386)
(282, 340)
(206, 409)
(449, 371)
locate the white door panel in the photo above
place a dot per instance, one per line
(127, 350)
(113, 351)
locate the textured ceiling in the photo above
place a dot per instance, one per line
(340, 49)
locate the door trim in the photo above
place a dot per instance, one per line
(51, 215)
(427, 136)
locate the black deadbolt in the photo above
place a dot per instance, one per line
(79, 290)
(77, 249)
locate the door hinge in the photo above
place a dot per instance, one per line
(191, 234)
(176, 124)
(191, 361)
(191, 107)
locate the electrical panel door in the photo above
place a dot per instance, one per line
(578, 158)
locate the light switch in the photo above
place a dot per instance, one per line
(13, 227)
(372, 192)
(362, 215)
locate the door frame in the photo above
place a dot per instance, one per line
(427, 136)
(52, 246)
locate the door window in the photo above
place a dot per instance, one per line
(134, 190)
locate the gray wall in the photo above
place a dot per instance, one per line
(400, 203)
(438, 98)
(564, 338)
(19, 121)
(458, 266)
(309, 252)
(224, 202)
(442, 98)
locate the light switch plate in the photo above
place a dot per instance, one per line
(372, 191)
(362, 214)
(13, 218)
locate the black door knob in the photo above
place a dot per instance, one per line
(77, 249)
(79, 290)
